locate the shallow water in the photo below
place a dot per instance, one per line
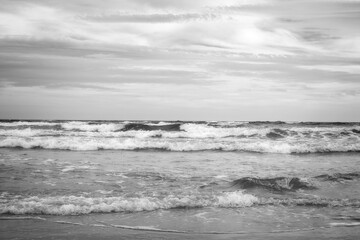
(152, 193)
(181, 192)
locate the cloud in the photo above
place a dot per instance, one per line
(181, 30)
(200, 54)
(54, 68)
(151, 18)
(350, 69)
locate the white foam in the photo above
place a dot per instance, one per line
(221, 176)
(74, 205)
(85, 126)
(189, 130)
(105, 192)
(147, 228)
(22, 218)
(27, 132)
(237, 199)
(205, 131)
(49, 161)
(251, 145)
(345, 224)
(23, 123)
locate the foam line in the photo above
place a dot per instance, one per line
(153, 229)
(22, 218)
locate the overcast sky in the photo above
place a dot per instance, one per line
(180, 59)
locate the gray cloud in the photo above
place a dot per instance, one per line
(232, 56)
(151, 18)
(66, 67)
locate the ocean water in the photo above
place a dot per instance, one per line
(185, 178)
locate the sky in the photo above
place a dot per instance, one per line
(245, 60)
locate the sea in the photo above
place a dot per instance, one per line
(179, 180)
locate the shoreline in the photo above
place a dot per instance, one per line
(48, 229)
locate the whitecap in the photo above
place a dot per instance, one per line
(75, 205)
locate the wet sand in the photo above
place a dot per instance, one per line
(73, 227)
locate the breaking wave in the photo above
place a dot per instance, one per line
(279, 184)
(272, 137)
(26, 123)
(93, 143)
(75, 205)
(291, 184)
(338, 176)
(148, 127)
(79, 205)
(86, 127)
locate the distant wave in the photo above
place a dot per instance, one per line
(264, 146)
(185, 129)
(272, 137)
(88, 127)
(26, 123)
(147, 127)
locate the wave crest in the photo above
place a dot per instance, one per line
(78, 205)
(74, 205)
(279, 184)
(86, 143)
(182, 136)
(338, 176)
(148, 127)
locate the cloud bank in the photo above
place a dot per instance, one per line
(167, 59)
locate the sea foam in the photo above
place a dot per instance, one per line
(75, 205)
(183, 136)
(78, 205)
(248, 145)
(26, 123)
(84, 126)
